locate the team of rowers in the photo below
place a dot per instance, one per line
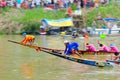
(73, 47)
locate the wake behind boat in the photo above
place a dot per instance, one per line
(57, 53)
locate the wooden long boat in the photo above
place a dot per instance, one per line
(70, 58)
(81, 60)
(34, 46)
(83, 52)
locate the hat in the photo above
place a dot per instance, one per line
(66, 41)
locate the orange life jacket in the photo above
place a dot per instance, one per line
(29, 37)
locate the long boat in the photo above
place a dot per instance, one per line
(83, 52)
(70, 58)
(34, 46)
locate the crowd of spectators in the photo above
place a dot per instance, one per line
(52, 3)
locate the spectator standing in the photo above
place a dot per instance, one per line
(102, 1)
(78, 5)
(88, 4)
(12, 3)
(85, 2)
(18, 3)
(82, 3)
(37, 3)
(109, 25)
(3, 4)
(30, 3)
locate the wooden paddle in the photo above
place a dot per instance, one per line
(76, 52)
(38, 48)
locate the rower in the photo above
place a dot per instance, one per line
(116, 56)
(90, 47)
(70, 47)
(74, 34)
(28, 38)
(113, 48)
(103, 47)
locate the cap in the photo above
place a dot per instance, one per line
(66, 41)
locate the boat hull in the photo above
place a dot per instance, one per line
(70, 58)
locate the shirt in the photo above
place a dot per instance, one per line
(70, 46)
(91, 47)
(104, 48)
(114, 49)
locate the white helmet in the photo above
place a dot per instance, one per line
(66, 41)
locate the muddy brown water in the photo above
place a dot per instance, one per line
(22, 63)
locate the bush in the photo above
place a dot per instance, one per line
(31, 28)
(111, 9)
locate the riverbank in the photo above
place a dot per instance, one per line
(15, 21)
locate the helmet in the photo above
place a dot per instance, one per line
(24, 33)
(66, 41)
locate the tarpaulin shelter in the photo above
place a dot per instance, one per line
(58, 23)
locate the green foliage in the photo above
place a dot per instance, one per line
(31, 18)
(5, 9)
(31, 28)
(2, 31)
(106, 10)
(37, 14)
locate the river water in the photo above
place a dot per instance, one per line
(22, 63)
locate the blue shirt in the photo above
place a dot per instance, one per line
(70, 46)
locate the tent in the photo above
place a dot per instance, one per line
(58, 23)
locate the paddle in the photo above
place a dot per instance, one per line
(35, 46)
(76, 52)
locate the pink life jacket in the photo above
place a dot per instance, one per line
(91, 47)
(105, 48)
(114, 49)
(3, 3)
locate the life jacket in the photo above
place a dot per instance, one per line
(29, 37)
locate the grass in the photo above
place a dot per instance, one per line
(31, 18)
(107, 10)
(5, 9)
(37, 14)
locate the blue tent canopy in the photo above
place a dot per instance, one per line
(58, 23)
